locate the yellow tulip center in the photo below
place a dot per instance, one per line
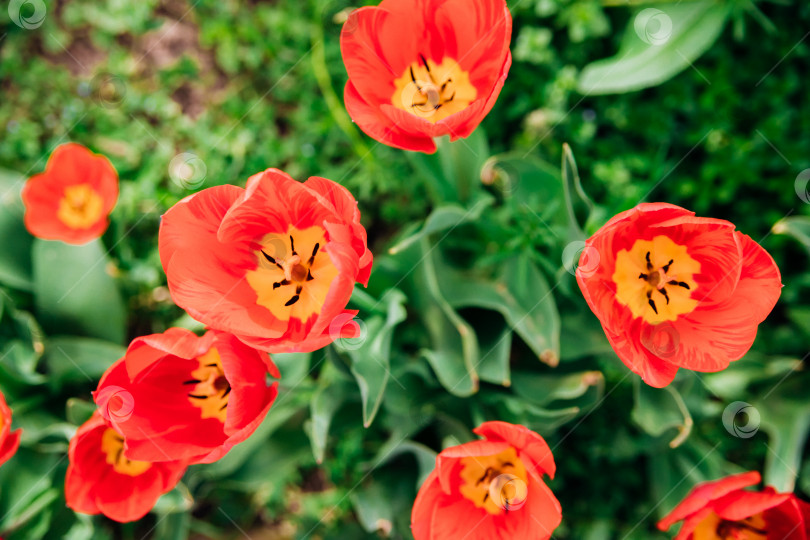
(433, 91)
(80, 207)
(293, 273)
(655, 279)
(497, 483)
(713, 527)
(209, 387)
(112, 444)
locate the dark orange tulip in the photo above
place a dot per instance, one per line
(274, 263)
(9, 441)
(725, 510)
(420, 69)
(102, 480)
(176, 396)
(676, 291)
(491, 489)
(72, 199)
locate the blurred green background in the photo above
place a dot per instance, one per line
(473, 315)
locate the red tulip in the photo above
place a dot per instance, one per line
(420, 69)
(9, 442)
(176, 396)
(676, 291)
(71, 200)
(490, 489)
(274, 264)
(724, 510)
(102, 480)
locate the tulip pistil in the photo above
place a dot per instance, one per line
(740, 530)
(713, 527)
(293, 273)
(495, 483)
(433, 91)
(80, 207)
(655, 279)
(210, 387)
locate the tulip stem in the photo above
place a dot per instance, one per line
(333, 103)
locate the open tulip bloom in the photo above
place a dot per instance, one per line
(71, 200)
(102, 480)
(274, 263)
(420, 69)
(725, 510)
(9, 441)
(491, 489)
(176, 396)
(676, 291)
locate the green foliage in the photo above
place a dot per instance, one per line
(472, 312)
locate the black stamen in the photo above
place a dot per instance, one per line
(487, 474)
(486, 496)
(299, 289)
(649, 264)
(413, 78)
(666, 267)
(227, 391)
(451, 98)
(664, 292)
(194, 396)
(314, 252)
(280, 283)
(424, 62)
(271, 260)
(427, 67)
(292, 300)
(651, 301)
(683, 284)
(211, 365)
(309, 275)
(292, 245)
(223, 407)
(643, 276)
(192, 381)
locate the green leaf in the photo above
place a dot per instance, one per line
(786, 420)
(454, 347)
(657, 410)
(578, 204)
(371, 354)
(178, 500)
(78, 411)
(395, 447)
(796, 226)
(75, 293)
(495, 340)
(25, 482)
(77, 360)
(444, 218)
(325, 403)
(521, 294)
(542, 390)
(373, 507)
(661, 41)
(15, 257)
(173, 526)
(279, 413)
(462, 162)
(19, 363)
